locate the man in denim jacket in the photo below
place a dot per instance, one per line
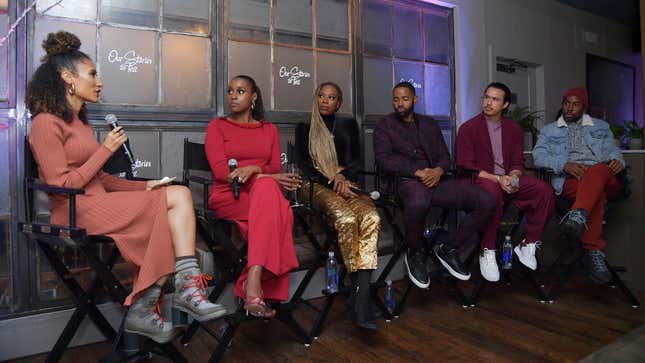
(582, 153)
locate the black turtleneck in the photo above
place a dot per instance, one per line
(346, 140)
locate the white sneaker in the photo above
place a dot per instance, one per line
(526, 254)
(488, 265)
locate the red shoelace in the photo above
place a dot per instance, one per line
(157, 310)
(200, 282)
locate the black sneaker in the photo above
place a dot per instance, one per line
(574, 223)
(594, 261)
(449, 258)
(416, 265)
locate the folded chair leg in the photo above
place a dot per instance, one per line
(539, 288)
(322, 316)
(617, 281)
(563, 277)
(459, 294)
(287, 318)
(399, 307)
(474, 298)
(227, 338)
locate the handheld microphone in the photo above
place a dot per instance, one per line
(113, 122)
(374, 194)
(232, 165)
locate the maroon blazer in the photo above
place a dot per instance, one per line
(475, 151)
(395, 154)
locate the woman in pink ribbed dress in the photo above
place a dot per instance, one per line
(261, 211)
(153, 225)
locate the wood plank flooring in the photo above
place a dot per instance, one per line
(508, 325)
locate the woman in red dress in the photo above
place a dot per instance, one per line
(153, 226)
(261, 212)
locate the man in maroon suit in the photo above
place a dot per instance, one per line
(492, 146)
(410, 146)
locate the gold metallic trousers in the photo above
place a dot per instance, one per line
(355, 220)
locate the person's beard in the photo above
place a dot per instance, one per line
(405, 113)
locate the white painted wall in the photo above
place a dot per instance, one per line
(544, 32)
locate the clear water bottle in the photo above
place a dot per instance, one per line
(331, 273)
(507, 254)
(389, 297)
(427, 233)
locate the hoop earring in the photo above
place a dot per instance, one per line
(253, 105)
(72, 89)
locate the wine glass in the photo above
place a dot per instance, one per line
(292, 168)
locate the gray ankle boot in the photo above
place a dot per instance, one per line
(190, 292)
(144, 318)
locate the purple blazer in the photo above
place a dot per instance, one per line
(475, 151)
(395, 154)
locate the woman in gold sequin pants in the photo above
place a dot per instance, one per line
(328, 149)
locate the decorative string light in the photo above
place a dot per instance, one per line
(22, 16)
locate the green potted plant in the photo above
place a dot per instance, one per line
(635, 135)
(619, 132)
(527, 120)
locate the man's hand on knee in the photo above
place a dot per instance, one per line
(575, 170)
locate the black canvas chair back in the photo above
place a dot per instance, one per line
(49, 237)
(230, 259)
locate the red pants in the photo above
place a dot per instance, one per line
(535, 198)
(590, 193)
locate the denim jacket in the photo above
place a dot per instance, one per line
(553, 146)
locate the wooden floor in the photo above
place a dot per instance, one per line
(509, 325)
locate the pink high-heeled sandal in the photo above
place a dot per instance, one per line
(256, 306)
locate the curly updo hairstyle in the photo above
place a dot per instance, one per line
(46, 91)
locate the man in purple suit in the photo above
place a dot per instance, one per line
(492, 146)
(410, 146)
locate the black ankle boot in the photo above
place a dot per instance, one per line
(363, 302)
(351, 299)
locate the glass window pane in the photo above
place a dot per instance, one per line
(185, 80)
(187, 16)
(407, 34)
(437, 38)
(293, 21)
(132, 12)
(128, 60)
(338, 69)
(377, 78)
(293, 72)
(333, 24)
(243, 59)
(438, 91)
(78, 9)
(413, 73)
(377, 28)
(4, 53)
(85, 32)
(249, 19)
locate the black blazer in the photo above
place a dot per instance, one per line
(348, 147)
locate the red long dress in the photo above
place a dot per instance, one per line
(261, 212)
(68, 155)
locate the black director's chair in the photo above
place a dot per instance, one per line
(230, 259)
(51, 238)
(570, 258)
(511, 225)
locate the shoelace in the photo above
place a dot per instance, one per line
(576, 217)
(598, 259)
(157, 311)
(200, 282)
(489, 256)
(532, 247)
